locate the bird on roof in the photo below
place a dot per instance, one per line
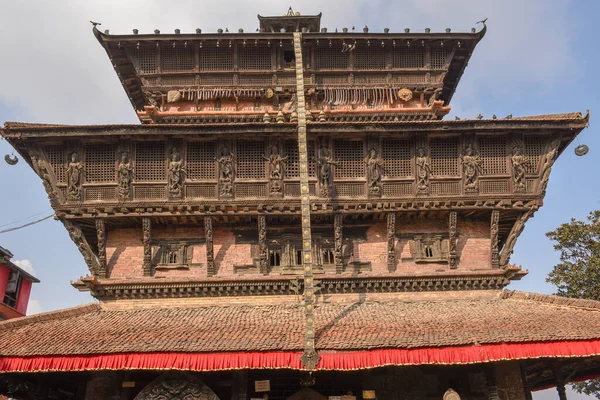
(483, 21)
(226, 30)
(509, 116)
(353, 28)
(480, 116)
(95, 23)
(457, 118)
(494, 116)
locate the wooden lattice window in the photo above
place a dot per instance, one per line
(150, 161)
(332, 58)
(250, 159)
(350, 158)
(534, 146)
(369, 58)
(175, 59)
(293, 166)
(216, 58)
(493, 155)
(58, 161)
(100, 162)
(408, 57)
(146, 59)
(444, 156)
(254, 58)
(201, 160)
(439, 55)
(397, 158)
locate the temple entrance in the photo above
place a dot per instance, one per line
(307, 394)
(176, 387)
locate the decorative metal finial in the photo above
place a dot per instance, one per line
(580, 150)
(135, 31)
(483, 21)
(95, 23)
(11, 159)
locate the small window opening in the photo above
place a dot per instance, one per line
(428, 251)
(274, 258)
(173, 257)
(298, 257)
(328, 256)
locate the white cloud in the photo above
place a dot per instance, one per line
(26, 266)
(34, 307)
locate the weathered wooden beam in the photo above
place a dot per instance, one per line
(494, 228)
(101, 235)
(262, 244)
(391, 237)
(146, 237)
(210, 259)
(452, 254)
(338, 237)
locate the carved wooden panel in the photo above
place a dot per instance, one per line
(397, 158)
(100, 193)
(493, 155)
(201, 192)
(175, 59)
(372, 57)
(350, 189)
(293, 189)
(408, 57)
(214, 58)
(201, 160)
(399, 189)
(408, 78)
(493, 187)
(217, 80)
(349, 156)
(534, 147)
(250, 159)
(189, 80)
(445, 188)
(100, 160)
(146, 59)
(444, 156)
(149, 192)
(331, 57)
(253, 57)
(291, 152)
(371, 78)
(150, 162)
(58, 161)
(249, 190)
(256, 80)
(439, 56)
(175, 388)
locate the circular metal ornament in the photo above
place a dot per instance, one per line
(269, 93)
(11, 160)
(405, 94)
(582, 150)
(451, 395)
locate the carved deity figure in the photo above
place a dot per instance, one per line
(125, 174)
(276, 169)
(519, 161)
(324, 163)
(423, 171)
(374, 166)
(176, 172)
(225, 172)
(75, 177)
(471, 167)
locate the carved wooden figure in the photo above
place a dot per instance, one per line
(519, 160)
(452, 254)
(324, 163)
(391, 242)
(146, 237)
(101, 235)
(472, 163)
(374, 166)
(494, 229)
(210, 258)
(226, 174)
(262, 244)
(276, 170)
(338, 242)
(75, 177)
(423, 171)
(82, 244)
(124, 176)
(176, 174)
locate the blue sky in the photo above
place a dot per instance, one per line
(539, 56)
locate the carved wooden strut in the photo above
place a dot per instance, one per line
(262, 244)
(210, 258)
(391, 238)
(494, 228)
(452, 254)
(338, 239)
(101, 234)
(146, 237)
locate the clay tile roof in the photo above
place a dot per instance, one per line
(512, 317)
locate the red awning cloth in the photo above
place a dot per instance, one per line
(342, 361)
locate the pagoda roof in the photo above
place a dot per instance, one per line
(350, 334)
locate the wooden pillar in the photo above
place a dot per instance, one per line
(101, 235)
(146, 237)
(526, 384)
(262, 244)
(492, 382)
(560, 382)
(239, 385)
(452, 255)
(210, 257)
(338, 236)
(391, 237)
(494, 227)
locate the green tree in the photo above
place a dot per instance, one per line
(578, 273)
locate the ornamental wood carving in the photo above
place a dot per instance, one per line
(519, 160)
(548, 159)
(494, 229)
(226, 172)
(374, 172)
(338, 243)
(173, 387)
(325, 174)
(176, 175)
(210, 257)
(391, 241)
(516, 230)
(101, 235)
(41, 167)
(452, 254)
(83, 246)
(74, 177)
(276, 170)
(262, 243)
(124, 175)
(146, 240)
(423, 167)
(472, 164)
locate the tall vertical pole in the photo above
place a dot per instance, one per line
(309, 358)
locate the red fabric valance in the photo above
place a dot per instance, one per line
(341, 361)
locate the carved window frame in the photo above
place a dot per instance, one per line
(430, 248)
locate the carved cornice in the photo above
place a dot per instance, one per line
(107, 290)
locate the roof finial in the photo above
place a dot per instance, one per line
(483, 21)
(290, 12)
(95, 23)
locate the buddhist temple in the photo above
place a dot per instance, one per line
(293, 218)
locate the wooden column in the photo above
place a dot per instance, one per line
(494, 227)
(146, 237)
(239, 385)
(391, 237)
(452, 254)
(208, 234)
(338, 236)
(526, 384)
(492, 382)
(101, 235)
(560, 382)
(262, 244)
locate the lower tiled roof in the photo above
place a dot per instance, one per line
(512, 317)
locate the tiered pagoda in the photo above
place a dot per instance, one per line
(294, 218)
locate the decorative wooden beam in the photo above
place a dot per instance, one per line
(82, 244)
(262, 244)
(210, 257)
(452, 255)
(516, 230)
(146, 236)
(494, 228)
(338, 237)
(391, 237)
(101, 234)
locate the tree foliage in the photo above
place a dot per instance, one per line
(578, 273)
